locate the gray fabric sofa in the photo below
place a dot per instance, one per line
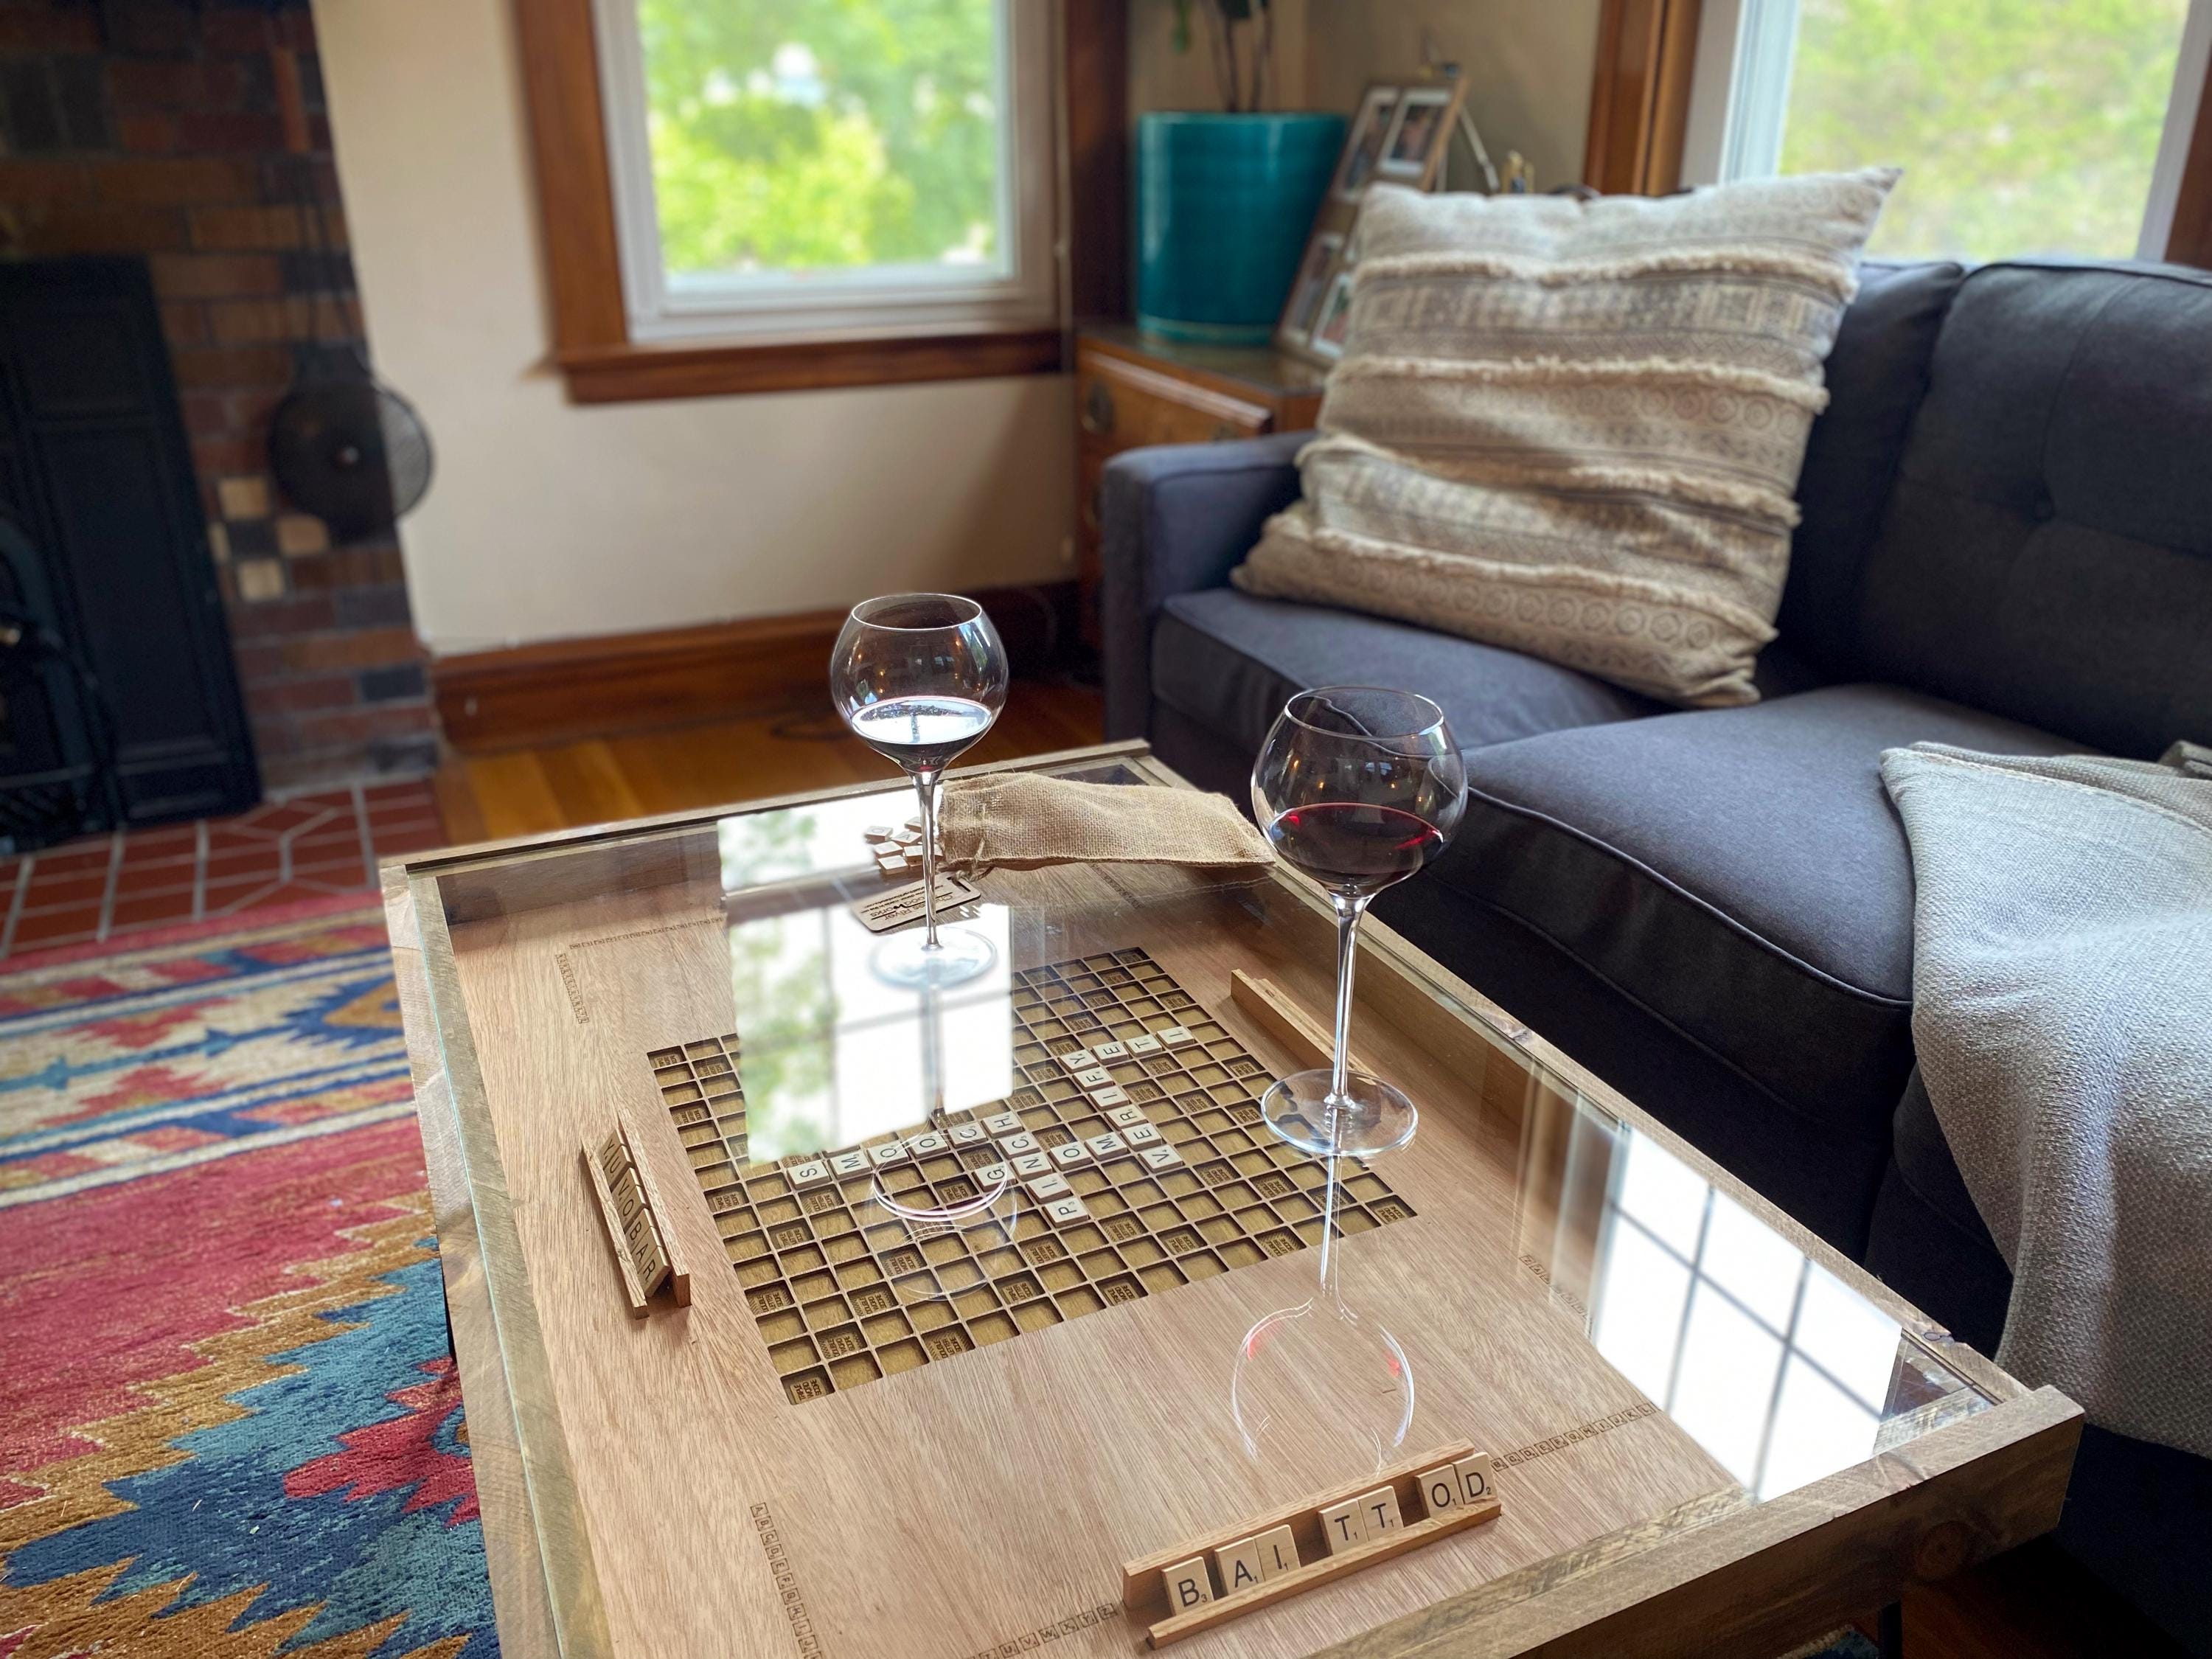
(2007, 544)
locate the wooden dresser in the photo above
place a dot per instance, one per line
(1132, 390)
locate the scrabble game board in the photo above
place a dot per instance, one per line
(1139, 1161)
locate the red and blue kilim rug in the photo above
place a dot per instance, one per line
(229, 1422)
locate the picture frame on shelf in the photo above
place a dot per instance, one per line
(1401, 134)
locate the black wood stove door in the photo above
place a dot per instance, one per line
(93, 466)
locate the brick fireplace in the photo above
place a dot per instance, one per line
(151, 128)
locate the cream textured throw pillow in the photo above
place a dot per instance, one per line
(1574, 429)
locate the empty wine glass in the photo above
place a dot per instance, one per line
(1358, 787)
(919, 677)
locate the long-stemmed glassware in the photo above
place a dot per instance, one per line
(919, 677)
(1357, 786)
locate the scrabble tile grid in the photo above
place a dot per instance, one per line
(844, 1294)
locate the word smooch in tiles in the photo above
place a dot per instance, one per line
(1137, 1159)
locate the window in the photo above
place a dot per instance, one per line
(2024, 127)
(816, 169)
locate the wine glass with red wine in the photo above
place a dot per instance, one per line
(1358, 787)
(919, 677)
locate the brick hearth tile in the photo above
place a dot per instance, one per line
(225, 896)
(259, 862)
(176, 180)
(148, 879)
(243, 498)
(54, 928)
(150, 910)
(74, 858)
(63, 891)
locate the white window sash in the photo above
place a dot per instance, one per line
(1740, 89)
(1020, 289)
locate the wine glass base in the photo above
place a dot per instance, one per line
(908, 959)
(1373, 1117)
(1318, 1383)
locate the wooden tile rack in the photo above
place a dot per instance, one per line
(1147, 1584)
(636, 1219)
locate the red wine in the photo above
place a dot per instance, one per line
(1353, 848)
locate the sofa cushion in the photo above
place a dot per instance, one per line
(1738, 873)
(2046, 553)
(1574, 429)
(1877, 373)
(1229, 661)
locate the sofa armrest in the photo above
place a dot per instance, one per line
(1177, 519)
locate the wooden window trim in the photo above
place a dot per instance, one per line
(592, 346)
(1647, 53)
(2189, 241)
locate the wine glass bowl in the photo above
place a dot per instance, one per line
(918, 677)
(1358, 787)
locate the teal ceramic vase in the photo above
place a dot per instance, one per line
(1224, 204)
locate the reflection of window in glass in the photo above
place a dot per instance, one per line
(832, 1055)
(2055, 127)
(825, 167)
(1774, 1367)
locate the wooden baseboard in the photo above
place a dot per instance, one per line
(561, 689)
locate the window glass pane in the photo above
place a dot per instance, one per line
(797, 136)
(2023, 126)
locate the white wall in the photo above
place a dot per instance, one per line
(1528, 64)
(549, 520)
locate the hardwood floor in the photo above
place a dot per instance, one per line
(525, 792)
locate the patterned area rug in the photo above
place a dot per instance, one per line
(230, 1425)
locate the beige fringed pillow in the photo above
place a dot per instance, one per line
(1574, 429)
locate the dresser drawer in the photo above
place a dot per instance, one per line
(1119, 406)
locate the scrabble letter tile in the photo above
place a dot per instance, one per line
(1050, 1186)
(812, 1173)
(1161, 1158)
(1440, 1488)
(1069, 1156)
(1147, 1044)
(1189, 1585)
(1125, 1117)
(1105, 1051)
(1279, 1552)
(1109, 1097)
(1473, 1478)
(891, 1152)
(922, 1146)
(990, 1175)
(1141, 1135)
(1105, 1146)
(1030, 1165)
(1018, 1144)
(1078, 1060)
(1004, 1123)
(1240, 1565)
(1379, 1510)
(1175, 1036)
(1344, 1525)
(967, 1134)
(849, 1163)
(1095, 1076)
(1066, 1212)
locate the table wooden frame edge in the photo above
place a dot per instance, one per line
(1603, 1608)
(554, 1599)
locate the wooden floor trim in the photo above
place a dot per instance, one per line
(557, 690)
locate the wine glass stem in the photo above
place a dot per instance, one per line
(925, 783)
(1329, 1288)
(1349, 909)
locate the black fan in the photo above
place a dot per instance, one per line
(347, 448)
(344, 446)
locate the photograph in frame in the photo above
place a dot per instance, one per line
(1335, 319)
(1364, 149)
(1419, 127)
(1312, 283)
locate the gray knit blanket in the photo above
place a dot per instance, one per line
(2063, 1014)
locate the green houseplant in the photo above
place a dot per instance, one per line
(1224, 197)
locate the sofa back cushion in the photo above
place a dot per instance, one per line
(1877, 373)
(2047, 550)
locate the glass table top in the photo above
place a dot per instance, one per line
(1777, 1367)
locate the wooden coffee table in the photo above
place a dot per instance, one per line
(1708, 1433)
